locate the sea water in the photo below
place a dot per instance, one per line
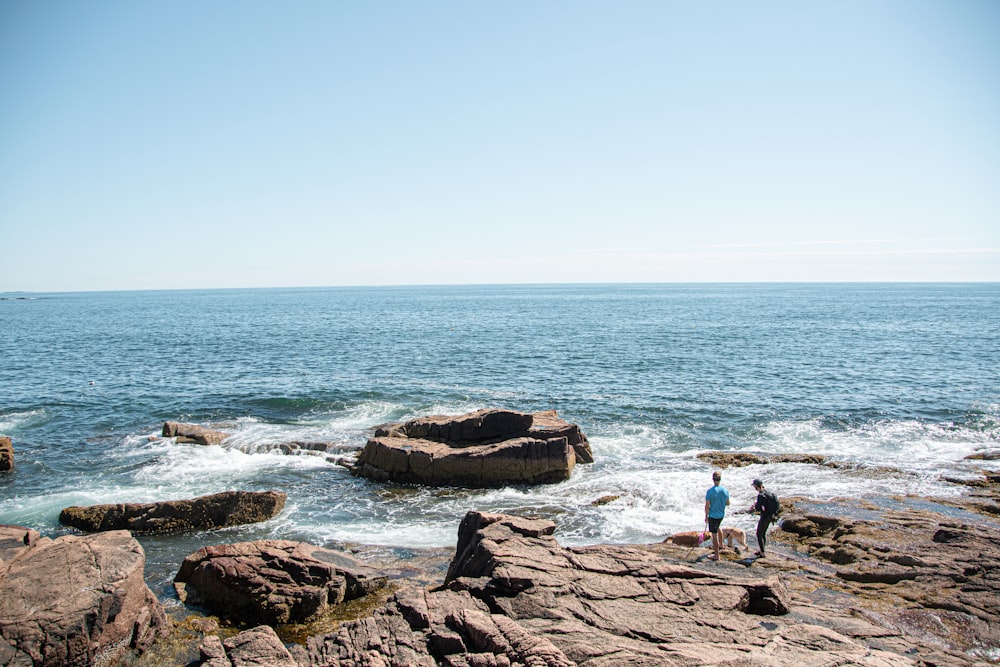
(898, 383)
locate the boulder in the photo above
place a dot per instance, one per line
(193, 433)
(487, 448)
(228, 508)
(274, 581)
(6, 454)
(251, 648)
(75, 600)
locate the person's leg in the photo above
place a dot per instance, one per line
(713, 527)
(762, 525)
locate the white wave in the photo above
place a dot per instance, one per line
(409, 534)
(361, 416)
(909, 445)
(9, 423)
(189, 467)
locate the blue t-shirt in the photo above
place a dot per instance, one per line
(717, 498)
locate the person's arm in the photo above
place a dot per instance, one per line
(707, 506)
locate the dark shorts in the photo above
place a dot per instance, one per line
(713, 525)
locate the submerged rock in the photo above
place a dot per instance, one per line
(487, 448)
(74, 600)
(274, 581)
(229, 508)
(741, 459)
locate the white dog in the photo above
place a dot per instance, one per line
(731, 535)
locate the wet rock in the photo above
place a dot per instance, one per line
(987, 455)
(193, 433)
(488, 448)
(229, 508)
(6, 454)
(741, 459)
(74, 600)
(274, 581)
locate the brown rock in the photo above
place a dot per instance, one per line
(478, 427)
(193, 433)
(6, 454)
(488, 448)
(228, 508)
(275, 581)
(256, 647)
(14, 541)
(917, 563)
(68, 601)
(547, 424)
(515, 597)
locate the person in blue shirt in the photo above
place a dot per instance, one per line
(716, 501)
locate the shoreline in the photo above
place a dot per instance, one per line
(819, 591)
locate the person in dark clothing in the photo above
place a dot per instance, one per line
(767, 506)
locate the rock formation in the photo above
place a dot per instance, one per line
(488, 448)
(933, 577)
(6, 454)
(228, 508)
(74, 600)
(193, 433)
(514, 597)
(274, 581)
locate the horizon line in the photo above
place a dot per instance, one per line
(512, 284)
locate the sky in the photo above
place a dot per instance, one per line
(235, 143)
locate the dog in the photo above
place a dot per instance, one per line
(689, 538)
(733, 537)
(737, 535)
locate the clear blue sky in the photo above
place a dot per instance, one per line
(174, 144)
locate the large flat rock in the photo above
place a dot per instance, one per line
(74, 600)
(487, 448)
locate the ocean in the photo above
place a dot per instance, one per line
(897, 383)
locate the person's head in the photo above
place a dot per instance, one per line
(759, 485)
(716, 477)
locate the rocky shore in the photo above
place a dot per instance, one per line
(883, 582)
(909, 581)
